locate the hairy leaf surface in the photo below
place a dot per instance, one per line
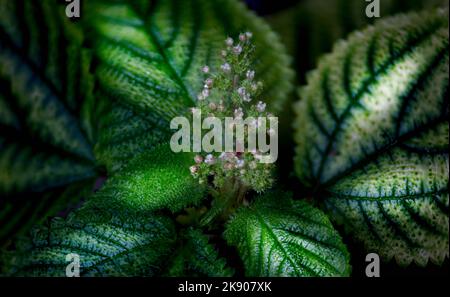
(155, 180)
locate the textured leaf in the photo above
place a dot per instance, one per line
(123, 134)
(372, 134)
(43, 80)
(150, 56)
(197, 258)
(124, 246)
(279, 237)
(155, 180)
(19, 213)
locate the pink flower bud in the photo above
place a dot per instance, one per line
(198, 159)
(193, 169)
(226, 67)
(212, 106)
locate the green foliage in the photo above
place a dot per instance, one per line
(148, 61)
(72, 103)
(155, 180)
(150, 56)
(43, 79)
(311, 28)
(123, 134)
(82, 97)
(125, 246)
(277, 236)
(372, 134)
(197, 257)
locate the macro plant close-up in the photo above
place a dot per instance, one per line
(223, 138)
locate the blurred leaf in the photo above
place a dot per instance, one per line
(310, 29)
(196, 257)
(155, 180)
(43, 81)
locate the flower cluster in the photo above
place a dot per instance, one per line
(233, 92)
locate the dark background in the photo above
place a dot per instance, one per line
(267, 7)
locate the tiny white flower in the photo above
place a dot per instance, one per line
(226, 67)
(210, 159)
(250, 74)
(237, 49)
(212, 106)
(238, 113)
(223, 53)
(243, 171)
(229, 41)
(198, 159)
(261, 106)
(241, 91)
(228, 166)
(205, 69)
(205, 93)
(249, 35)
(240, 163)
(200, 97)
(247, 98)
(193, 169)
(230, 156)
(209, 82)
(254, 87)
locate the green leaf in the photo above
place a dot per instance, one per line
(43, 80)
(123, 134)
(127, 245)
(277, 236)
(372, 134)
(150, 56)
(155, 180)
(19, 213)
(197, 258)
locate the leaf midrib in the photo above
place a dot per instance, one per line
(390, 62)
